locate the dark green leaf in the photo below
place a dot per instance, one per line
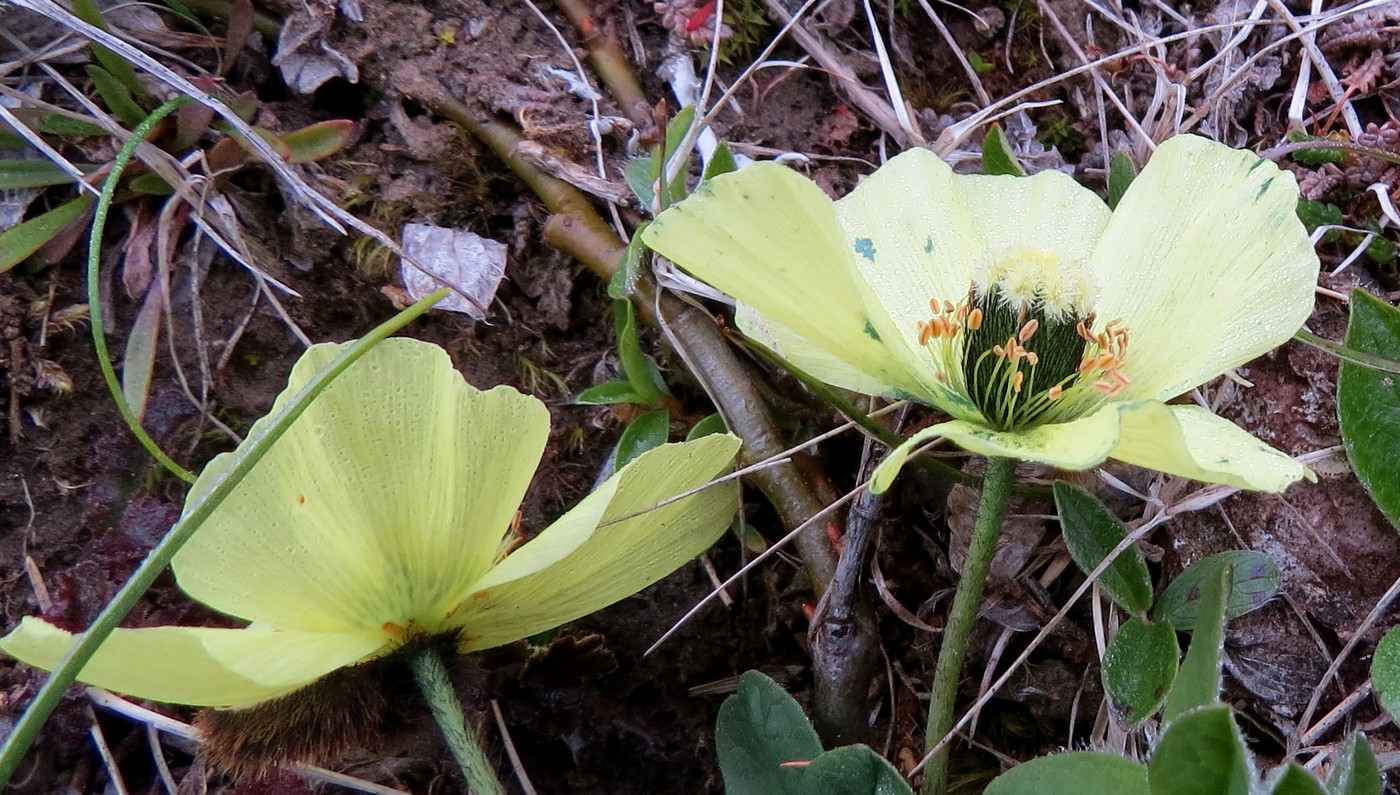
(1385, 673)
(151, 184)
(115, 65)
(1076, 773)
(35, 174)
(1138, 668)
(1368, 402)
(1354, 769)
(1382, 251)
(709, 426)
(721, 162)
(997, 157)
(853, 770)
(1091, 532)
(675, 132)
(18, 242)
(1315, 214)
(759, 728)
(646, 432)
(1314, 157)
(1201, 754)
(1255, 580)
(116, 96)
(139, 362)
(1121, 173)
(608, 393)
(1198, 682)
(1296, 780)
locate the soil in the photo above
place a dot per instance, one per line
(81, 502)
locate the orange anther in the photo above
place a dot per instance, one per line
(1054, 393)
(1032, 358)
(974, 319)
(1028, 330)
(948, 308)
(933, 306)
(1117, 375)
(925, 332)
(1017, 381)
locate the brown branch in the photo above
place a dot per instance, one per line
(608, 61)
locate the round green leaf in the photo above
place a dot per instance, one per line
(1139, 666)
(1296, 780)
(1385, 672)
(1254, 581)
(1073, 774)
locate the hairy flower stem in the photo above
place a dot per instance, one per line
(996, 488)
(437, 690)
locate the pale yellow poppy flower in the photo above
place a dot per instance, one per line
(379, 518)
(1048, 327)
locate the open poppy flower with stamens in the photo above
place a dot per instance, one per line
(1050, 328)
(377, 521)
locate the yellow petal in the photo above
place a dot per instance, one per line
(381, 504)
(195, 665)
(595, 555)
(1082, 444)
(1191, 442)
(806, 357)
(1047, 211)
(770, 238)
(1207, 264)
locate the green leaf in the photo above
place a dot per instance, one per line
(1296, 780)
(608, 393)
(624, 279)
(1385, 673)
(1314, 157)
(709, 426)
(766, 746)
(36, 174)
(1354, 769)
(648, 431)
(1201, 754)
(18, 242)
(1368, 402)
(1255, 580)
(1198, 682)
(1091, 531)
(150, 184)
(1138, 668)
(114, 65)
(997, 157)
(1314, 214)
(675, 133)
(1121, 173)
(318, 141)
(721, 162)
(139, 361)
(752, 540)
(638, 174)
(1075, 773)
(116, 96)
(640, 370)
(58, 124)
(759, 728)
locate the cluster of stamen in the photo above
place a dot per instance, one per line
(1024, 362)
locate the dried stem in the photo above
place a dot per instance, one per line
(608, 61)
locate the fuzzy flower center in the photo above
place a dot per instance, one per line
(1022, 345)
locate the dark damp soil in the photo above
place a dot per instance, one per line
(81, 503)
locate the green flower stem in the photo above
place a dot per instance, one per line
(1349, 355)
(437, 690)
(996, 488)
(99, 339)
